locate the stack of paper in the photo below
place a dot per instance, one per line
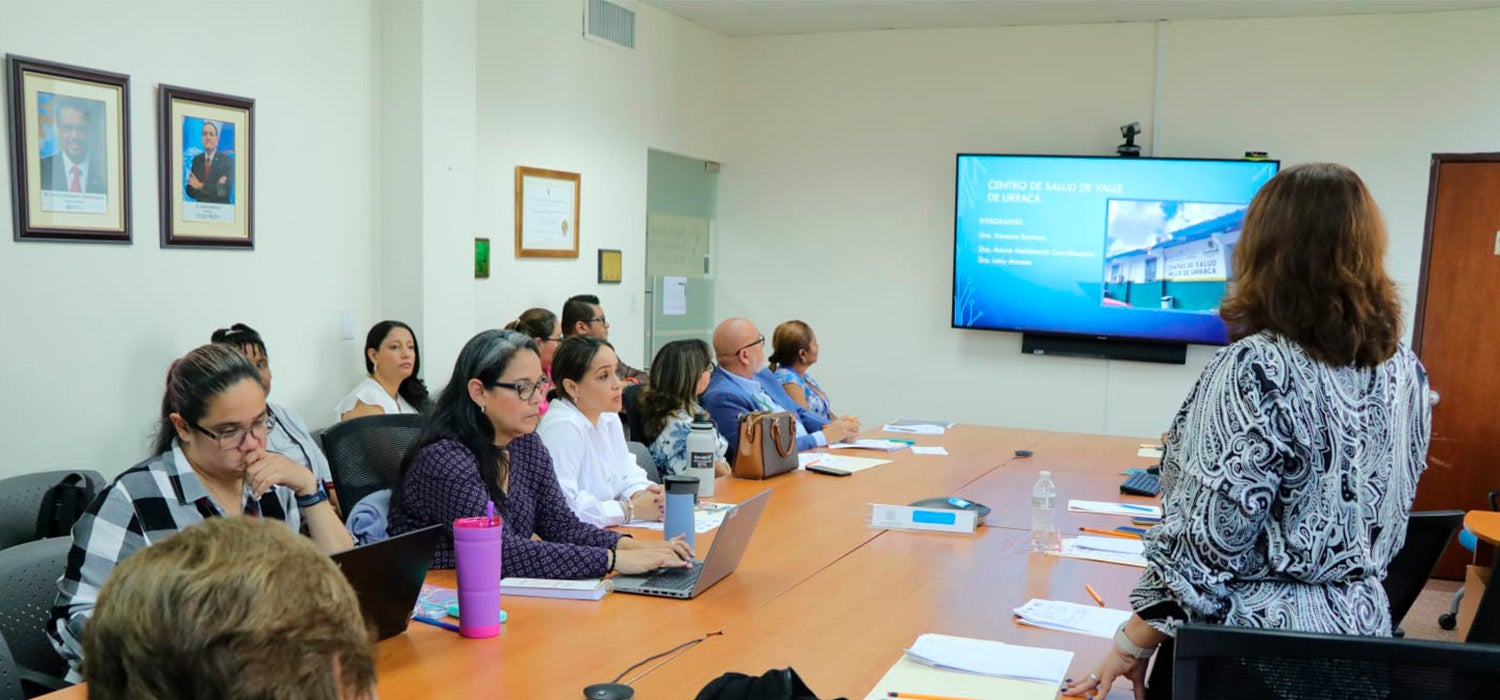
(848, 464)
(988, 658)
(914, 428)
(587, 589)
(912, 678)
(1107, 508)
(1113, 550)
(706, 516)
(871, 444)
(1058, 615)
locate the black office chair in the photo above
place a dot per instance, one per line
(365, 453)
(1233, 663)
(644, 459)
(1427, 536)
(630, 401)
(28, 587)
(10, 677)
(1486, 627)
(1467, 540)
(21, 500)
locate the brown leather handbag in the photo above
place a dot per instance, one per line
(768, 445)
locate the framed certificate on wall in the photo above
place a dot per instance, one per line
(546, 213)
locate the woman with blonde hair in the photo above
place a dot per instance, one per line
(1290, 470)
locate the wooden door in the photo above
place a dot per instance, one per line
(1457, 335)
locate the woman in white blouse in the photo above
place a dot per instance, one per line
(599, 476)
(392, 362)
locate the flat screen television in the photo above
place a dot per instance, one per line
(1103, 248)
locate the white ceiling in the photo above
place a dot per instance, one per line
(767, 17)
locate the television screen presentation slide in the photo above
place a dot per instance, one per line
(1135, 248)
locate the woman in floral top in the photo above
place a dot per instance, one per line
(678, 377)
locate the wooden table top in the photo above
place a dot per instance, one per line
(1485, 524)
(818, 589)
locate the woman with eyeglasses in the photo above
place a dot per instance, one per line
(394, 384)
(479, 446)
(211, 461)
(542, 326)
(680, 374)
(289, 435)
(599, 476)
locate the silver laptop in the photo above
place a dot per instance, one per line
(723, 556)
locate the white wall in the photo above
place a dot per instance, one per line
(87, 330)
(838, 180)
(550, 99)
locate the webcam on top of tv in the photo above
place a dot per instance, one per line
(1129, 149)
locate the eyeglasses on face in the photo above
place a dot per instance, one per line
(758, 341)
(592, 321)
(235, 437)
(525, 389)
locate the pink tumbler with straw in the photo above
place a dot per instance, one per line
(476, 549)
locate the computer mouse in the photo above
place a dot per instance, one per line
(954, 503)
(609, 691)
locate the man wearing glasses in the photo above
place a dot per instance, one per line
(742, 384)
(582, 315)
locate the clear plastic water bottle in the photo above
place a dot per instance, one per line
(1044, 515)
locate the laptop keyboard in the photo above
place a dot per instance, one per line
(674, 579)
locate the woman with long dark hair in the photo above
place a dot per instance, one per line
(479, 446)
(1290, 470)
(679, 375)
(210, 461)
(393, 364)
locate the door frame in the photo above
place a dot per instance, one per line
(1438, 159)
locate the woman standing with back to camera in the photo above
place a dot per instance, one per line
(1291, 467)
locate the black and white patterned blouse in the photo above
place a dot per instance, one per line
(1286, 486)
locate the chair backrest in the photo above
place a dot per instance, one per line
(1231, 663)
(10, 680)
(28, 587)
(1427, 536)
(630, 401)
(365, 453)
(21, 501)
(1486, 627)
(643, 457)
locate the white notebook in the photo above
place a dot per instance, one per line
(984, 657)
(586, 589)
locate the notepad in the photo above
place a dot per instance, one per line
(907, 676)
(1077, 618)
(1071, 549)
(871, 444)
(844, 462)
(586, 589)
(1107, 508)
(989, 658)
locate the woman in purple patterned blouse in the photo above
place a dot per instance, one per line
(477, 447)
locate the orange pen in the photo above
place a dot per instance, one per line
(1093, 595)
(1111, 533)
(921, 696)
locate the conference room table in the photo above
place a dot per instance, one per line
(818, 589)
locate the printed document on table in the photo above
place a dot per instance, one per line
(908, 676)
(990, 658)
(848, 464)
(706, 516)
(1072, 550)
(926, 450)
(1063, 616)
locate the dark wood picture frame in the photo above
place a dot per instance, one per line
(549, 180)
(56, 214)
(224, 217)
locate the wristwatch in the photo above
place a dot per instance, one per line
(1123, 642)
(312, 499)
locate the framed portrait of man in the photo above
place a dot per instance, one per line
(207, 162)
(69, 151)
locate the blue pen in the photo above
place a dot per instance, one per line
(436, 623)
(909, 442)
(1144, 509)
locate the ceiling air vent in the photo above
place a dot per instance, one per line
(609, 23)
